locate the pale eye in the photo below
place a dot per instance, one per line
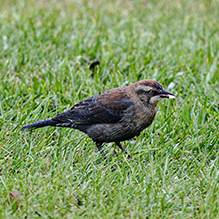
(152, 92)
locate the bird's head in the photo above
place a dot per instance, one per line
(150, 91)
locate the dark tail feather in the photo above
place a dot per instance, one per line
(41, 123)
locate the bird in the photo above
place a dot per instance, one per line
(115, 115)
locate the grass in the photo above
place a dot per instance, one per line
(45, 50)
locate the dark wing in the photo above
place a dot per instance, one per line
(107, 107)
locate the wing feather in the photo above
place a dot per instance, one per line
(107, 107)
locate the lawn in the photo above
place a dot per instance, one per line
(46, 48)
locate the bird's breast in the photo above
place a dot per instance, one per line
(145, 115)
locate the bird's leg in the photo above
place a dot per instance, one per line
(102, 152)
(123, 150)
(100, 149)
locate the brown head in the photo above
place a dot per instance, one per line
(151, 91)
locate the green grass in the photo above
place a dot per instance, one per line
(45, 50)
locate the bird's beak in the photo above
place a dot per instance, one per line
(167, 94)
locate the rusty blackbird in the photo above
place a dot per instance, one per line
(115, 115)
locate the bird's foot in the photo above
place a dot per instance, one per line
(129, 156)
(113, 168)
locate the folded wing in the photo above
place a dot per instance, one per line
(104, 108)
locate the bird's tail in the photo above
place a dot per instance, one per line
(41, 123)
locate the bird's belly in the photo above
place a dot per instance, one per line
(112, 132)
(130, 126)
